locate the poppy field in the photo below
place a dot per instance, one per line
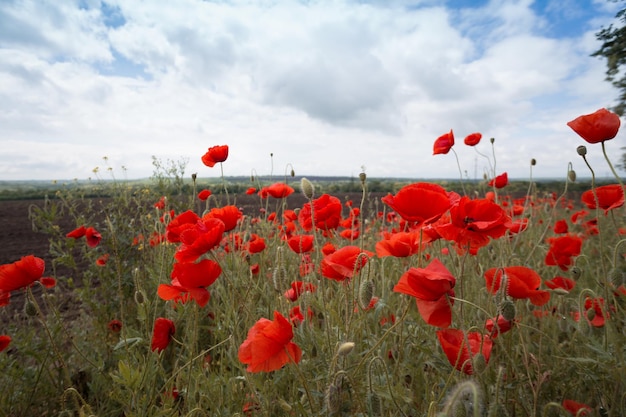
(172, 300)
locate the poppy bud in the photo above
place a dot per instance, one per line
(307, 188)
(284, 405)
(30, 309)
(533, 162)
(333, 398)
(366, 292)
(194, 176)
(374, 404)
(582, 150)
(571, 175)
(479, 363)
(508, 310)
(293, 173)
(617, 277)
(345, 348)
(492, 140)
(591, 314)
(362, 177)
(140, 298)
(576, 272)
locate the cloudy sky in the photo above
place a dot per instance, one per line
(326, 86)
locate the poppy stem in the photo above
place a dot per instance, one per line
(608, 161)
(460, 172)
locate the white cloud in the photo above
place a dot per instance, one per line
(325, 86)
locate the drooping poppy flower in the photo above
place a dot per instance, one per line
(500, 181)
(420, 202)
(5, 340)
(48, 282)
(521, 282)
(192, 279)
(326, 212)
(214, 155)
(473, 222)
(21, 274)
(196, 241)
(498, 326)
(342, 264)
(562, 251)
(472, 139)
(277, 190)
(594, 311)
(162, 334)
(609, 197)
(230, 215)
(432, 289)
(204, 195)
(93, 237)
(596, 127)
(443, 143)
(77, 233)
(454, 344)
(297, 289)
(401, 244)
(102, 260)
(268, 346)
(301, 243)
(563, 283)
(577, 409)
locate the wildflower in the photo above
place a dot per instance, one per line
(454, 345)
(160, 205)
(301, 243)
(401, 244)
(268, 346)
(204, 195)
(162, 334)
(577, 409)
(498, 326)
(326, 211)
(255, 244)
(21, 274)
(48, 282)
(563, 283)
(420, 202)
(214, 155)
(191, 278)
(443, 143)
(115, 326)
(594, 312)
(472, 139)
(560, 227)
(201, 238)
(473, 222)
(278, 190)
(521, 282)
(596, 127)
(93, 237)
(77, 233)
(342, 264)
(562, 251)
(296, 316)
(297, 289)
(432, 289)
(102, 260)
(5, 298)
(609, 197)
(500, 181)
(229, 215)
(5, 340)
(250, 190)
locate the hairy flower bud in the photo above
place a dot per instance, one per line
(307, 187)
(582, 150)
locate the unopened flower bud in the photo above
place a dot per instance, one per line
(345, 348)
(582, 150)
(140, 298)
(194, 176)
(576, 272)
(293, 173)
(533, 162)
(307, 187)
(479, 363)
(507, 310)
(492, 140)
(571, 175)
(30, 309)
(362, 176)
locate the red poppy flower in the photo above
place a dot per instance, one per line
(444, 143)
(432, 289)
(328, 248)
(21, 274)
(102, 260)
(521, 282)
(500, 181)
(204, 195)
(162, 333)
(192, 279)
(454, 345)
(77, 233)
(298, 288)
(296, 317)
(596, 127)
(5, 298)
(401, 244)
(421, 202)
(473, 222)
(230, 215)
(200, 239)
(214, 155)
(268, 346)
(255, 244)
(594, 311)
(5, 340)
(326, 211)
(577, 409)
(48, 282)
(498, 326)
(562, 251)
(93, 237)
(250, 190)
(115, 326)
(472, 139)
(160, 205)
(560, 227)
(278, 190)
(563, 283)
(178, 224)
(301, 243)
(342, 264)
(609, 197)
